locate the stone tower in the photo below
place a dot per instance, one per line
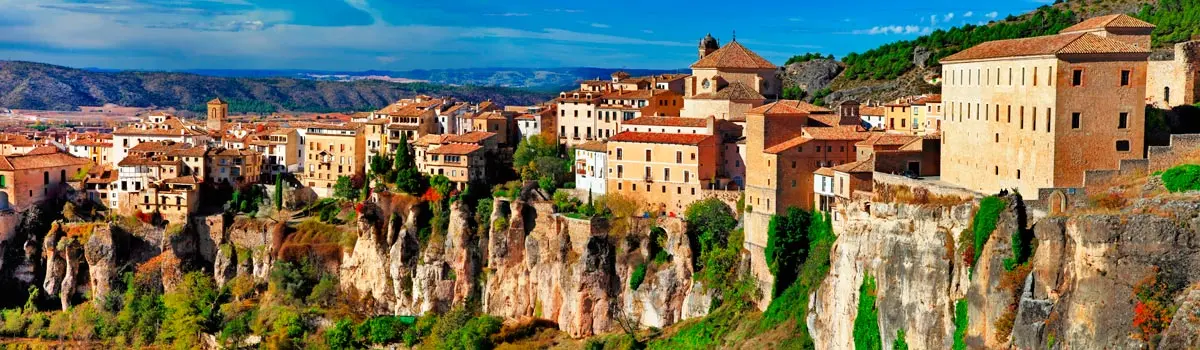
(708, 45)
(217, 111)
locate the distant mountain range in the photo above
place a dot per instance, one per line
(29, 85)
(537, 79)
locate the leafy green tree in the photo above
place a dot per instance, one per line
(344, 189)
(709, 222)
(787, 246)
(191, 309)
(408, 178)
(341, 336)
(794, 93)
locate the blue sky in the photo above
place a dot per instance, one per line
(357, 35)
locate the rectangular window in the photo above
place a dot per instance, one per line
(678, 157)
(1122, 146)
(1077, 77)
(1123, 120)
(647, 155)
(1075, 120)
(1125, 77)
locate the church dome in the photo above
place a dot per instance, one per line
(709, 42)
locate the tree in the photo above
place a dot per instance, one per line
(278, 192)
(402, 158)
(408, 178)
(709, 222)
(68, 211)
(441, 184)
(191, 309)
(341, 336)
(343, 188)
(532, 148)
(787, 246)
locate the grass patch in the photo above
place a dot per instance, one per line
(985, 222)
(1182, 178)
(960, 324)
(638, 276)
(866, 324)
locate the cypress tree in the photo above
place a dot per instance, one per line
(278, 192)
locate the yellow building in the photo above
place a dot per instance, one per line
(26, 180)
(664, 171)
(332, 151)
(727, 82)
(1038, 112)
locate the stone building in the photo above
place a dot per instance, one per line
(728, 81)
(1171, 82)
(218, 111)
(664, 171)
(1038, 112)
(152, 128)
(26, 180)
(333, 151)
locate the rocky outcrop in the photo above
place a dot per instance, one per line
(101, 254)
(910, 251)
(811, 75)
(1184, 332)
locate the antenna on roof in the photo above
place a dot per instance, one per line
(734, 35)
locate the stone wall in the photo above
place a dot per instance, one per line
(1181, 147)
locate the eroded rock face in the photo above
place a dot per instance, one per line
(101, 255)
(909, 250)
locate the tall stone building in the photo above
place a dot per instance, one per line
(218, 110)
(1038, 112)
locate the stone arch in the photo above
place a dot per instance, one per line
(1056, 203)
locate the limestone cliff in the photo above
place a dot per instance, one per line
(1078, 292)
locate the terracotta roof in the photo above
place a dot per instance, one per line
(872, 111)
(824, 172)
(733, 91)
(377, 121)
(882, 139)
(631, 94)
(653, 137)
(157, 146)
(933, 98)
(668, 121)
(1078, 43)
(789, 107)
(733, 55)
(101, 176)
(525, 117)
(1110, 21)
(16, 140)
(471, 137)
(197, 151)
(187, 180)
(862, 166)
(42, 150)
(430, 139)
(594, 146)
(38, 161)
(786, 145)
(841, 132)
(455, 149)
(216, 101)
(91, 142)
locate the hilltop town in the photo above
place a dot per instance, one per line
(1049, 122)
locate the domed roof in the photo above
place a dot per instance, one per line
(709, 42)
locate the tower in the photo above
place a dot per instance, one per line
(217, 111)
(708, 45)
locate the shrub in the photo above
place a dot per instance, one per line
(960, 324)
(475, 334)
(639, 275)
(901, 343)
(985, 222)
(1022, 248)
(792, 304)
(341, 336)
(787, 246)
(1153, 312)
(866, 324)
(382, 330)
(1182, 178)
(191, 309)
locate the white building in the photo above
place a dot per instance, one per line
(156, 127)
(591, 162)
(873, 116)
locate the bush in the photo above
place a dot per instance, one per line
(960, 324)
(475, 334)
(381, 330)
(191, 309)
(1182, 178)
(792, 304)
(341, 336)
(639, 275)
(866, 324)
(1153, 312)
(985, 222)
(787, 246)
(901, 343)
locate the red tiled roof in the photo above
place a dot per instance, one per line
(653, 137)
(1078, 43)
(881, 139)
(786, 145)
(185, 180)
(733, 91)
(471, 137)
(38, 161)
(789, 107)
(1110, 21)
(841, 132)
(733, 55)
(824, 172)
(455, 149)
(594, 146)
(863, 166)
(42, 150)
(430, 139)
(668, 121)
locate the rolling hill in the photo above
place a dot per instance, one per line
(28, 85)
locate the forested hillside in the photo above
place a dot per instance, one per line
(27, 85)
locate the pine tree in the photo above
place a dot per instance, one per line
(278, 192)
(402, 158)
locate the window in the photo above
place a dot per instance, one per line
(46, 177)
(647, 155)
(648, 173)
(678, 157)
(666, 174)
(1123, 120)
(1167, 94)
(1075, 120)
(618, 154)
(1125, 77)
(997, 170)
(1018, 174)
(3, 181)
(1022, 117)
(997, 137)
(1077, 77)
(1122, 145)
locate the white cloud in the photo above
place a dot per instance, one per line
(992, 14)
(647, 31)
(893, 29)
(948, 17)
(599, 25)
(933, 20)
(564, 10)
(509, 14)
(968, 14)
